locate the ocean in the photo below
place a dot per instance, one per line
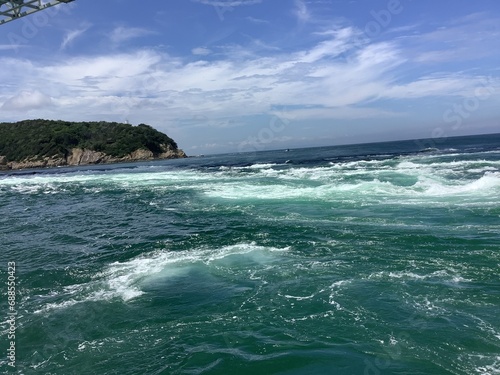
(371, 259)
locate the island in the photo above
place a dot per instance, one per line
(53, 143)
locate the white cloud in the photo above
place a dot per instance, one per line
(72, 35)
(150, 81)
(257, 20)
(338, 44)
(100, 75)
(228, 3)
(301, 11)
(474, 37)
(340, 112)
(201, 51)
(122, 34)
(4, 47)
(333, 79)
(317, 80)
(27, 100)
(451, 85)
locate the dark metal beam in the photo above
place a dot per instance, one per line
(14, 9)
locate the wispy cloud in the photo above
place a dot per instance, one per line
(4, 47)
(429, 86)
(228, 3)
(73, 34)
(201, 51)
(256, 20)
(468, 38)
(301, 11)
(122, 34)
(338, 43)
(402, 29)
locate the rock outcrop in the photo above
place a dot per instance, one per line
(79, 156)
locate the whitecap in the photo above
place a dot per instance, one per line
(125, 281)
(262, 166)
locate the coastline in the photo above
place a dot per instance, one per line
(80, 157)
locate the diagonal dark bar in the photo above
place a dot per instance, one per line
(14, 9)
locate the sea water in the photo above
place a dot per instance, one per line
(365, 259)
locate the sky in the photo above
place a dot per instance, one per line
(248, 75)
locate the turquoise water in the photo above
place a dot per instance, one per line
(365, 259)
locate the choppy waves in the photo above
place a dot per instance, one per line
(410, 178)
(384, 264)
(125, 281)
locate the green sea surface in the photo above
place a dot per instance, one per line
(365, 259)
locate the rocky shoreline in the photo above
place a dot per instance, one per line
(79, 156)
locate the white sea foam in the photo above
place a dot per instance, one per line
(299, 298)
(418, 181)
(125, 280)
(443, 276)
(487, 184)
(102, 177)
(487, 327)
(338, 284)
(490, 364)
(408, 180)
(241, 191)
(262, 166)
(335, 291)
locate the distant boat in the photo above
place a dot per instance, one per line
(287, 150)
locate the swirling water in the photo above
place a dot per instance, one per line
(365, 259)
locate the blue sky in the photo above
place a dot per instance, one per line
(246, 75)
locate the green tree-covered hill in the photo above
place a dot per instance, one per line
(31, 139)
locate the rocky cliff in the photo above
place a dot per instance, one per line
(79, 156)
